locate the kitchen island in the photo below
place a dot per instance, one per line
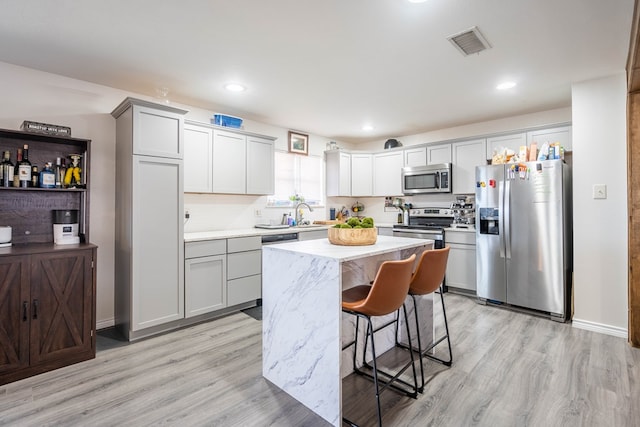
(303, 327)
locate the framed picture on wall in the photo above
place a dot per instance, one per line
(298, 143)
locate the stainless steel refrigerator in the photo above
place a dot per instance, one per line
(523, 231)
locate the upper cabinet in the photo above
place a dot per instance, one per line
(157, 131)
(416, 156)
(512, 142)
(439, 154)
(466, 156)
(229, 162)
(260, 166)
(361, 175)
(387, 169)
(226, 161)
(198, 158)
(338, 173)
(561, 134)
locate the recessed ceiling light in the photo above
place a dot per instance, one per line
(367, 128)
(235, 87)
(417, 1)
(506, 85)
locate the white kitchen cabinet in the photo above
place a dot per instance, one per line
(338, 173)
(415, 156)
(149, 257)
(198, 159)
(312, 234)
(157, 250)
(205, 284)
(260, 165)
(157, 132)
(361, 175)
(387, 170)
(437, 154)
(225, 161)
(466, 156)
(512, 141)
(244, 270)
(385, 231)
(461, 266)
(205, 276)
(229, 162)
(561, 134)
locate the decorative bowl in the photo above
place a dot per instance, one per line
(353, 236)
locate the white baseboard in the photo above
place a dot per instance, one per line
(600, 328)
(106, 323)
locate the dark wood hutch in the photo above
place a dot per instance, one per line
(47, 291)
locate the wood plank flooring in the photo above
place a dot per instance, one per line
(510, 369)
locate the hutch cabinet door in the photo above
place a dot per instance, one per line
(61, 309)
(14, 313)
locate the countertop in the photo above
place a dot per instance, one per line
(323, 249)
(247, 232)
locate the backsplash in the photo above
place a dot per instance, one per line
(208, 212)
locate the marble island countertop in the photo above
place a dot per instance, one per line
(322, 248)
(196, 236)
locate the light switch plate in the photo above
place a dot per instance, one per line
(599, 191)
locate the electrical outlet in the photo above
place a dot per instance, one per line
(187, 215)
(258, 213)
(599, 191)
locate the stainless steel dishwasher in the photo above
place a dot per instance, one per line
(271, 239)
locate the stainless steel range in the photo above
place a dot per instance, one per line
(426, 223)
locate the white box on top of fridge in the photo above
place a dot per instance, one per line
(523, 236)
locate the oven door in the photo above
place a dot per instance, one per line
(436, 235)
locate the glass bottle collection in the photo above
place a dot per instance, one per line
(25, 175)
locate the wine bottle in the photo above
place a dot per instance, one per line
(35, 176)
(6, 170)
(24, 167)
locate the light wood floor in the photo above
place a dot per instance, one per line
(510, 369)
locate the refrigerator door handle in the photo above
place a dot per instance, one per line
(507, 218)
(501, 217)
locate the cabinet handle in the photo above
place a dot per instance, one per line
(25, 305)
(35, 308)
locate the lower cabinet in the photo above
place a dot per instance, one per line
(47, 310)
(205, 284)
(222, 273)
(461, 266)
(244, 262)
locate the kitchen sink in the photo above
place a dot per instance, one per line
(310, 226)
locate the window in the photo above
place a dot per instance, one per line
(297, 175)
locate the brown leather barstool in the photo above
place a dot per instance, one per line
(386, 295)
(428, 279)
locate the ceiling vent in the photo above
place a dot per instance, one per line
(469, 41)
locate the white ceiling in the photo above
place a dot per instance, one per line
(328, 66)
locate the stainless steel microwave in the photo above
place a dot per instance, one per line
(426, 179)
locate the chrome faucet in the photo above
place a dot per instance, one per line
(299, 214)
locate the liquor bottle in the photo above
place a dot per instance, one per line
(57, 178)
(35, 176)
(47, 177)
(6, 170)
(24, 167)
